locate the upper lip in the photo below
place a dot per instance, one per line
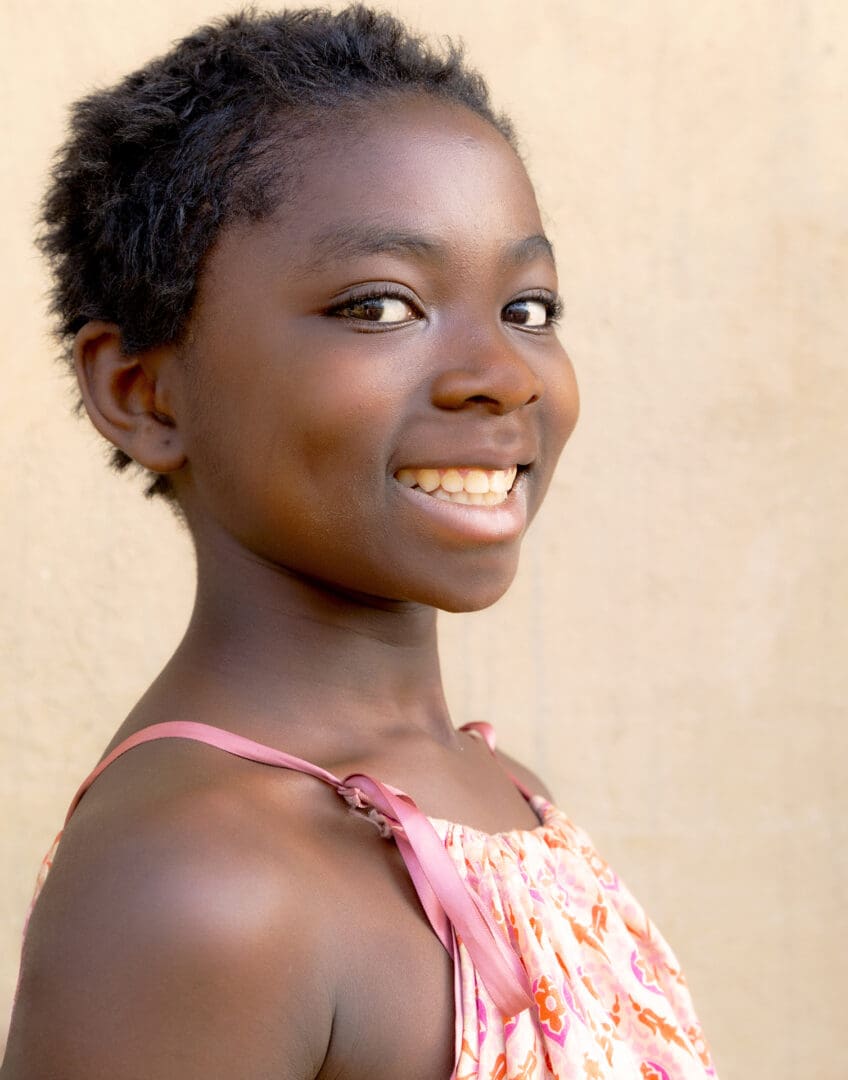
(472, 459)
(452, 445)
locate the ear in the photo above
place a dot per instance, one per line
(128, 397)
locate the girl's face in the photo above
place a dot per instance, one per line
(389, 322)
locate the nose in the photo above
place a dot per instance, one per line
(493, 375)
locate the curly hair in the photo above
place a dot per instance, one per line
(205, 135)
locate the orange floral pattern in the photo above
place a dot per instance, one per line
(609, 998)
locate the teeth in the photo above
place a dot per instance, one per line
(427, 479)
(500, 481)
(469, 486)
(452, 481)
(476, 482)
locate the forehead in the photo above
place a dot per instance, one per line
(409, 167)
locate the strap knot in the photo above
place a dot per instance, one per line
(355, 799)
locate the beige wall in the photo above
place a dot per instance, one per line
(673, 655)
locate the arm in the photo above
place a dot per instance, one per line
(157, 959)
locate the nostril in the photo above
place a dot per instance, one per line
(501, 387)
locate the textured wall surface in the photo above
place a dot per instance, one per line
(672, 657)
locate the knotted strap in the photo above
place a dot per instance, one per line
(448, 900)
(451, 905)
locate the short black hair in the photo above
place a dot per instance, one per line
(156, 165)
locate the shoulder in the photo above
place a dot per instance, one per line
(181, 939)
(528, 778)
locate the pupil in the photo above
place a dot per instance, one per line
(370, 309)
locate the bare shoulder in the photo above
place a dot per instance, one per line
(527, 777)
(176, 942)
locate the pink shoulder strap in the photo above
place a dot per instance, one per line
(450, 904)
(484, 730)
(487, 734)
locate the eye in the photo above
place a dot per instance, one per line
(533, 313)
(384, 309)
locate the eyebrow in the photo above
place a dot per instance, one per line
(528, 249)
(358, 241)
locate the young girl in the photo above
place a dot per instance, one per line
(305, 285)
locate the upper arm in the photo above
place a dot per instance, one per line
(141, 964)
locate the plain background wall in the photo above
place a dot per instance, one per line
(672, 657)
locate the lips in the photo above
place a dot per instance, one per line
(468, 485)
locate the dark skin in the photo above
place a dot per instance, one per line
(209, 917)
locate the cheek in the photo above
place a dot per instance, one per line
(327, 455)
(229, 428)
(343, 414)
(563, 399)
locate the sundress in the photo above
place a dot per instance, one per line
(558, 972)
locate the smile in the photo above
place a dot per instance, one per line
(468, 485)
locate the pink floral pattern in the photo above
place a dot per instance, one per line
(609, 998)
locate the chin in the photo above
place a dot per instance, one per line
(471, 595)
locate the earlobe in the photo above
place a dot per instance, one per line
(126, 399)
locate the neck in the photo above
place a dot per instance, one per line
(271, 649)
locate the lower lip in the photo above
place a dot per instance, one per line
(478, 524)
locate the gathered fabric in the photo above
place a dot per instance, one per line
(558, 972)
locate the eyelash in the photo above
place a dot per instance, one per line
(554, 305)
(373, 293)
